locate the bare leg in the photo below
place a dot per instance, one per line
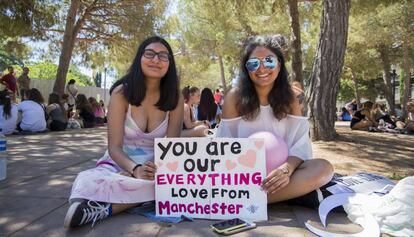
(118, 208)
(309, 176)
(361, 125)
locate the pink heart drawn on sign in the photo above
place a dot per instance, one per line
(172, 166)
(249, 159)
(230, 164)
(159, 164)
(258, 144)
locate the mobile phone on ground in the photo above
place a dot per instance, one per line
(228, 225)
(248, 226)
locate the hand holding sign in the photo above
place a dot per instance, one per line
(276, 180)
(146, 171)
(209, 178)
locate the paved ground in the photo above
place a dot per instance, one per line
(41, 169)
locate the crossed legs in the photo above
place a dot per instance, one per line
(310, 175)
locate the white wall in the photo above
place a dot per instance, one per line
(46, 87)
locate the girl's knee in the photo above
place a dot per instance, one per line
(326, 171)
(323, 171)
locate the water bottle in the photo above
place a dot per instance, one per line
(3, 156)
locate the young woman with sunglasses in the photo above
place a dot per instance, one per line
(264, 101)
(145, 104)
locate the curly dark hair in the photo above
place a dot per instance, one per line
(281, 95)
(134, 88)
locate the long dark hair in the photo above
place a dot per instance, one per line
(6, 102)
(35, 95)
(55, 99)
(134, 87)
(207, 109)
(83, 103)
(281, 95)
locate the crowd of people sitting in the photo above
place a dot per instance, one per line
(202, 112)
(375, 117)
(34, 115)
(73, 110)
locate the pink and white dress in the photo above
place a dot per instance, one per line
(293, 129)
(104, 183)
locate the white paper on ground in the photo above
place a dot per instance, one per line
(360, 183)
(370, 225)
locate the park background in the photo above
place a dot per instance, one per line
(338, 50)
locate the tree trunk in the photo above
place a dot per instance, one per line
(67, 48)
(386, 68)
(407, 76)
(223, 79)
(327, 68)
(296, 42)
(354, 79)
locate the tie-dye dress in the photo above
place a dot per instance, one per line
(104, 183)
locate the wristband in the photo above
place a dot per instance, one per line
(133, 169)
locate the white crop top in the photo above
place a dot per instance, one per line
(293, 129)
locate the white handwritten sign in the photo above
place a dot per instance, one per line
(210, 178)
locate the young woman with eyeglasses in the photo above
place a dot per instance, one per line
(264, 101)
(145, 104)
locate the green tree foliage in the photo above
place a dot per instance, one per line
(101, 31)
(22, 18)
(27, 18)
(210, 36)
(379, 33)
(47, 71)
(12, 52)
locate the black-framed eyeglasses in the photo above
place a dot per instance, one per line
(163, 56)
(253, 64)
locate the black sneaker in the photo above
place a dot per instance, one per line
(80, 213)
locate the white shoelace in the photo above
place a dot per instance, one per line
(95, 212)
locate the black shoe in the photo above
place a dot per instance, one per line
(80, 213)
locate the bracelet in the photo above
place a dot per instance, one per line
(133, 169)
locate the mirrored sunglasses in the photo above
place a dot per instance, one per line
(270, 62)
(150, 54)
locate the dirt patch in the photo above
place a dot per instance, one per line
(386, 154)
